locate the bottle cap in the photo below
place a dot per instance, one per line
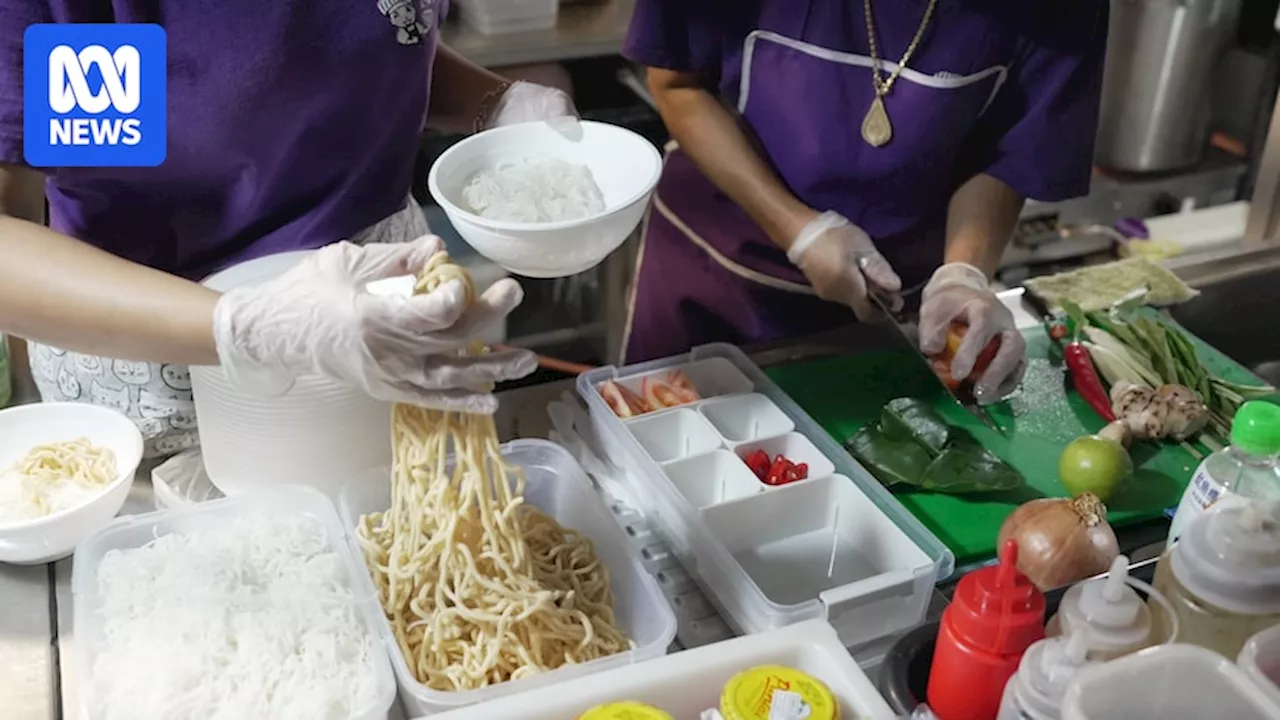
(997, 608)
(1044, 673)
(1230, 557)
(1256, 428)
(1110, 613)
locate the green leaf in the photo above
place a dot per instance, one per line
(915, 420)
(969, 469)
(891, 461)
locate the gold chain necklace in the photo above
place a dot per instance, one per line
(876, 128)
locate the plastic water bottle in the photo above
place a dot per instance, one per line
(1252, 460)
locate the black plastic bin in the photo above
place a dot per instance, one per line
(905, 673)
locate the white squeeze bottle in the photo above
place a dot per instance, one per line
(1222, 577)
(1253, 458)
(1109, 613)
(1035, 692)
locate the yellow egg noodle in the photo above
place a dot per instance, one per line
(479, 588)
(56, 476)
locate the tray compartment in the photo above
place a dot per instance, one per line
(745, 418)
(713, 478)
(673, 435)
(796, 448)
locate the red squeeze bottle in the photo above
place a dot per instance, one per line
(995, 614)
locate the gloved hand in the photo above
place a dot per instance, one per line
(959, 291)
(840, 261)
(319, 318)
(528, 102)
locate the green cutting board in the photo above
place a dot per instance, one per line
(845, 393)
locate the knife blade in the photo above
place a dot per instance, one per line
(900, 330)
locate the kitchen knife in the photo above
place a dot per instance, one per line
(906, 332)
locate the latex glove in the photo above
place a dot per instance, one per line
(528, 102)
(319, 318)
(842, 263)
(959, 291)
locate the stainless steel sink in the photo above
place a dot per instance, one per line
(1238, 310)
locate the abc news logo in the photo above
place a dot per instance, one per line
(120, 89)
(94, 95)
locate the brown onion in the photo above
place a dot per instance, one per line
(1061, 541)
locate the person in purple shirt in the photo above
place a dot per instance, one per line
(291, 125)
(832, 148)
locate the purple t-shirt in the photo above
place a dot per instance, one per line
(292, 124)
(1004, 87)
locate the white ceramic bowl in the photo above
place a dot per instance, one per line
(53, 537)
(625, 165)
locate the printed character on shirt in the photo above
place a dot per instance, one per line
(404, 15)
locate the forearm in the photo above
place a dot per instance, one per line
(60, 291)
(981, 218)
(710, 135)
(459, 90)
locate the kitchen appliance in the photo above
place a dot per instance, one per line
(1161, 61)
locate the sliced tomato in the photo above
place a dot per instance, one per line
(622, 400)
(637, 403)
(611, 393)
(659, 394)
(678, 380)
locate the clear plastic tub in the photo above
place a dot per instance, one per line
(1167, 681)
(497, 17)
(688, 682)
(889, 565)
(137, 530)
(557, 485)
(673, 435)
(1261, 659)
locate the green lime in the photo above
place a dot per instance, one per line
(1093, 464)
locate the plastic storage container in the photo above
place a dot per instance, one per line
(689, 682)
(1261, 660)
(1168, 681)
(838, 547)
(498, 17)
(137, 530)
(557, 485)
(319, 433)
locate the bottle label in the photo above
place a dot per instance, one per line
(1202, 492)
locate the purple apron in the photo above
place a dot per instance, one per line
(707, 273)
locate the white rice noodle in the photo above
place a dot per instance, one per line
(253, 620)
(537, 190)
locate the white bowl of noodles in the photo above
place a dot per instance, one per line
(46, 511)
(546, 201)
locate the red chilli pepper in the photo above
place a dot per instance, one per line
(758, 462)
(1086, 380)
(1057, 331)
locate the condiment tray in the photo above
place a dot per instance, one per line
(836, 545)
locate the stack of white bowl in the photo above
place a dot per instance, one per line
(319, 433)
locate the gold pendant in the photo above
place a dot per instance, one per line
(876, 129)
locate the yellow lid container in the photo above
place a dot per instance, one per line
(749, 694)
(624, 711)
